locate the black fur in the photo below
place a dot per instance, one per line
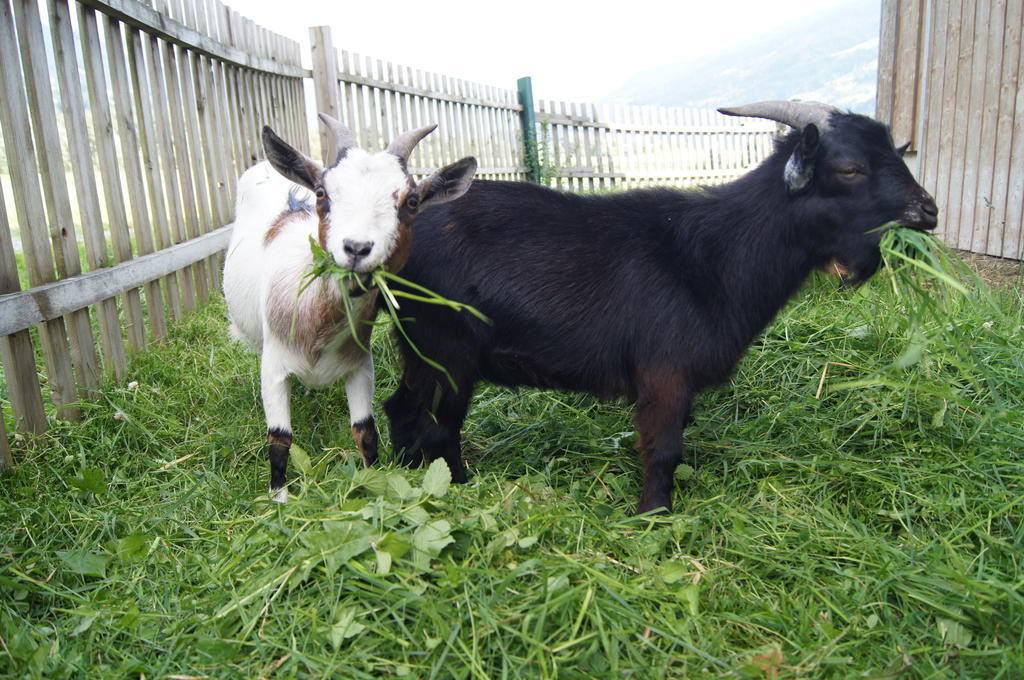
(652, 295)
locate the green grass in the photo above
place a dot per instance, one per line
(850, 506)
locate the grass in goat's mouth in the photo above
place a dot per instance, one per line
(355, 284)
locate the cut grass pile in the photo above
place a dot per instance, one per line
(850, 506)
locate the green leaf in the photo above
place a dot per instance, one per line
(300, 458)
(83, 625)
(346, 627)
(690, 595)
(416, 515)
(85, 562)
(338, 543)
(216, 649)
(383, 561)
(672, 571)
(527, 541)
(399, 487)
(374, 481)
(954, 634)
(438, 478)
(91, 480)
(130, 548)
(429, 540)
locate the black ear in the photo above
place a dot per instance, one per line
(903, 149)
(800, 166)
(809, 138)
(448, 183)
(291, 163)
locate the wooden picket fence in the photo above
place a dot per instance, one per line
(122, 195)
(121, 217)
(378, 100)
(587, 147)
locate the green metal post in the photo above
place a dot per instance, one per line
(529, 118)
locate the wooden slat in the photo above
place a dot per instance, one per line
(55, 186)
(133, 171)
(14, 120)
(937, 55)
(1013, 236)
(946, 119)
(325, 85)
(1011, 83)
(73, 105)
(16, 351)
(103, 127)
(962, 121)
(190, 107)
(906, 80)
(145, 111)
(887, 45)
(24, 309)
(978, 188)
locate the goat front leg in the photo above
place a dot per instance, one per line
(359, 390)
(662, 409)
(275, 388)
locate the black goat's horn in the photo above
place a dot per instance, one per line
(793, 114)
(403, 145)
(344, 138)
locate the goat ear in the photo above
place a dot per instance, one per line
(448, 183)
(293, 164)
(902, 151)
(800, 166)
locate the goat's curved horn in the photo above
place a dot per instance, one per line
(793, 114)
(403, 145)
(343, 137)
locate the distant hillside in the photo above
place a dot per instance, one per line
(831, 56)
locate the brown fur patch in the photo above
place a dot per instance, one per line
(279, 438)
(280, 223)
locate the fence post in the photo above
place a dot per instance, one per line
(325, 83)
(529, 119)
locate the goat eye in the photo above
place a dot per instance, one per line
(412, 203)
(321, 194)
(848, 173)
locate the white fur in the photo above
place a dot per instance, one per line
(258, 275)
(262, 280)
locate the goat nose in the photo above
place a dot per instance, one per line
(357, 249)
(929, 211)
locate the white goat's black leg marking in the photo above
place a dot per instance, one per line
(275, 389)
(279, 442)
(365, 435)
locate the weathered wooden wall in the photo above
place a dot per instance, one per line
(951, 78)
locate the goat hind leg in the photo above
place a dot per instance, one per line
(275, 389)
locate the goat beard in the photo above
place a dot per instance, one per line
(856, 268)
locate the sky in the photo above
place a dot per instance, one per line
(574, 51)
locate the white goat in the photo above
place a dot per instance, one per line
(360, 210)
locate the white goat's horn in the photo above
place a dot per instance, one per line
(343, 137)
(793, 114)
(403, 145)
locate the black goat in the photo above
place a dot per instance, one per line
(652, 295)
